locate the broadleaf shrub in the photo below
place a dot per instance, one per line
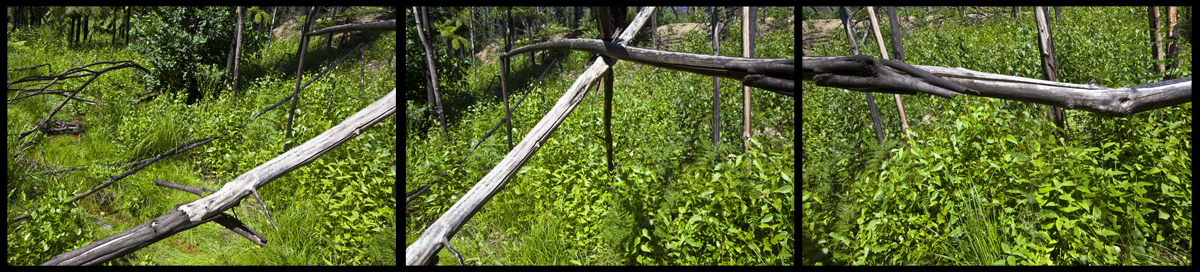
(177, 41)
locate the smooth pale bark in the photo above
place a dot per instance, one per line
(853, 74)
(386, 25)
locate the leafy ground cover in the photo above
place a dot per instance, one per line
(334, 211)
(674, 198)
(984, 182)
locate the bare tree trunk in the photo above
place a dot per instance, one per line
(310, 15)
(474, 69)
(1049, 66)
(113, 39)
(432, 83)
(329, 39)
(271, 29)
(128, 11)
(1156, 48)
(1173, 46)
(716, 46)
(748, 29)
(237, 55)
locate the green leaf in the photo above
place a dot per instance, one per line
(1047, 213)
(1107, 232)
(871, 226)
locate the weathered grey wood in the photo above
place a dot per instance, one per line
(187, 216)
(425, 248)
(738, 68)
(304, 154)
(1111, 102)
(386, 25)
(235, 225)
(199, 191)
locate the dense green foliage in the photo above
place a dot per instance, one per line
(177, 42)
(983, 182)
(451, 70)
(674, 197)
(336, 210)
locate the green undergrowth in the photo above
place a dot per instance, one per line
(984, 182)
(337, 210)
(673, 199)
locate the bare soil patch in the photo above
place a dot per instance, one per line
(292, 28)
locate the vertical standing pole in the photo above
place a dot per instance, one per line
(607, 20)
(503, 83)
(300, 71)
(870, 98)
(747, 51)
(1049, 67)
(716, 46)
(883, 53)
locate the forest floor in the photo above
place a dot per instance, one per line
(816, 31)
(291, 28)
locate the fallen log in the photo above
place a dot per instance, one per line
(776, 75)
(212, 207)
(864, 73)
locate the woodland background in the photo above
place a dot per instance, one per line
(676, 198)
(338, 210)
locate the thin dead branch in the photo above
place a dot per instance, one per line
(75, 72)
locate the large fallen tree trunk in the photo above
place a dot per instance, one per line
(776, 75)
(385, 25)
(863, 73)
(424, 250)
(211, 207)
